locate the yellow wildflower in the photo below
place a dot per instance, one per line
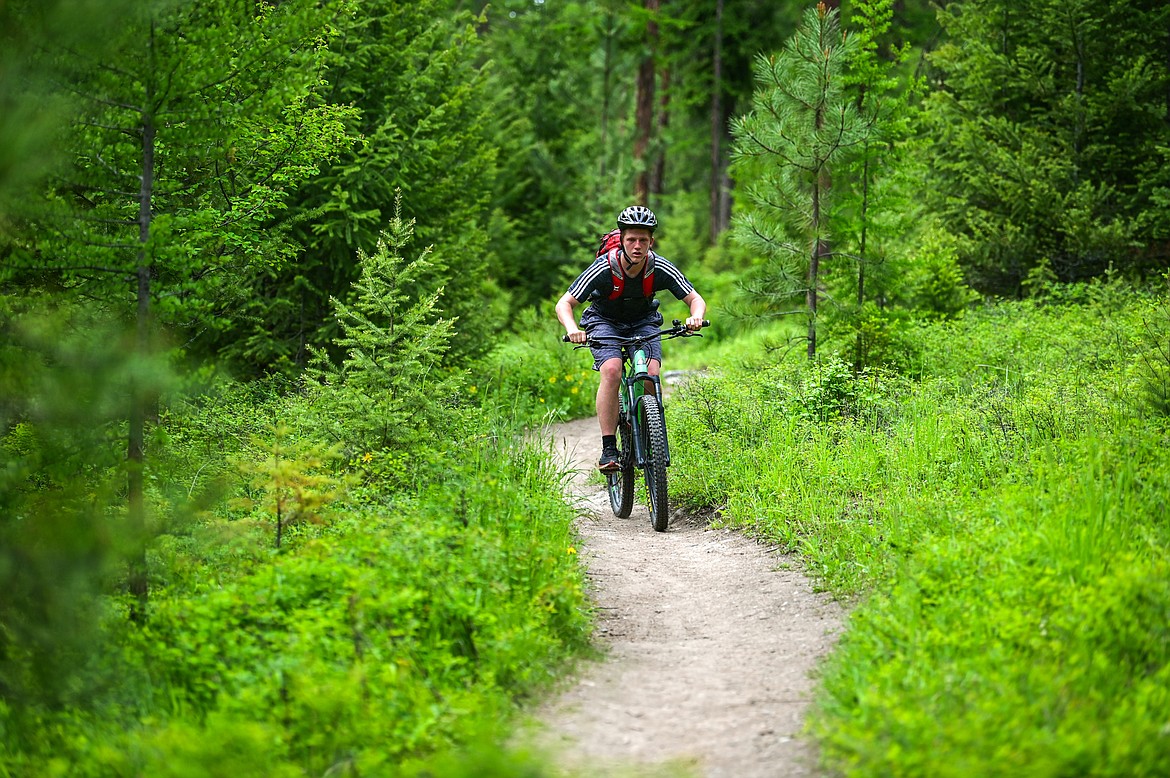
(367, 457)
(570, 550)
(552, 379)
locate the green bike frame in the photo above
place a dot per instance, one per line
(635, 374)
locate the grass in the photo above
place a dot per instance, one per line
(998, 522)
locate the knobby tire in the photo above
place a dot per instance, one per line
(654, 430)
(621, 483)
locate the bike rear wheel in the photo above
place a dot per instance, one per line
(621, 483)
(654, 435)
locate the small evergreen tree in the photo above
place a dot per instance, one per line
(879, 199)
(802, 124)
(390, 390)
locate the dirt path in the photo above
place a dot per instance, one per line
(708, 642)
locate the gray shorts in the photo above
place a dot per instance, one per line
(600, 327)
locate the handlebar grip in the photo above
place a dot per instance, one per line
(678, 322)
(565, 339)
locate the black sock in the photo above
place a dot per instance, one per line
(609, 441)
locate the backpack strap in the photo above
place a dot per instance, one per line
(615, 270)
(619, 277)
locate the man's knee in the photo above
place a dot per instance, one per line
(611, 371)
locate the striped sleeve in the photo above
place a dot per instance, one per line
(596, 277)
(670, 278)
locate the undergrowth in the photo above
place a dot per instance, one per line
(998, 518)
(359, 573)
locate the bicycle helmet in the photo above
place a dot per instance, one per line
(637, 216)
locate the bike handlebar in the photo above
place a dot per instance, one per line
(679, 330)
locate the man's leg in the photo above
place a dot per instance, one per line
(607, 395)
(654, 368)
(607, 412)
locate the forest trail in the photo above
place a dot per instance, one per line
(708, 641)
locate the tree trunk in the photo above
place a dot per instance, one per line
(135, 453)
(644, 108)
(864, 229)
(658, 174)
(717, 170)
(606, 85)
(814, 269)
(814, 263)
(1079, 118)
(859, 346)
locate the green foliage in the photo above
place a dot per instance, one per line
(561, 112)
(389, 392)
(29, 111)
(1047, 621)
(801, 126)
(291, 486)
(1153, 363)
(1001, 521)
(934, 286)
(418, 120)
(63, 374)
(189, 116)
(1043, 135)
(533, 377)
(403, 627)
(344, 654)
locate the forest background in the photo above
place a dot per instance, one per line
(276, 299)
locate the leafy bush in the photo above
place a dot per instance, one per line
(534, 377)
(1153, 362)
(402, 620)
(935, 287)
(343, 653)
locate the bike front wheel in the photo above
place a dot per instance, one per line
(654, 436)
(621, 483)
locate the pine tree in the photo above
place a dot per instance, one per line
(388, 391)
(191, 127)
(1048, 134)
(803, 123)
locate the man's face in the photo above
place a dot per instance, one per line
(637, 242)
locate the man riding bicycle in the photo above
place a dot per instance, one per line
(620, 286)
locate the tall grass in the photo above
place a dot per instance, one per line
(999, 521)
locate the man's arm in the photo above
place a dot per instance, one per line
(698, 308)
(565, 316)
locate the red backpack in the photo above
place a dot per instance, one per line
(611, 244)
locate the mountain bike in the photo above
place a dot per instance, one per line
(642, 441)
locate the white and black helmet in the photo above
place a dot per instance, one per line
(637, 216)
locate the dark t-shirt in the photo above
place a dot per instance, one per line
(595, 285)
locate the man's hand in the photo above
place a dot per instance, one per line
(577, 336)
(694, 323)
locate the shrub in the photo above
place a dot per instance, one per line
(534, 376)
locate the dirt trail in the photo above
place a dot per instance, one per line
(708, 642)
